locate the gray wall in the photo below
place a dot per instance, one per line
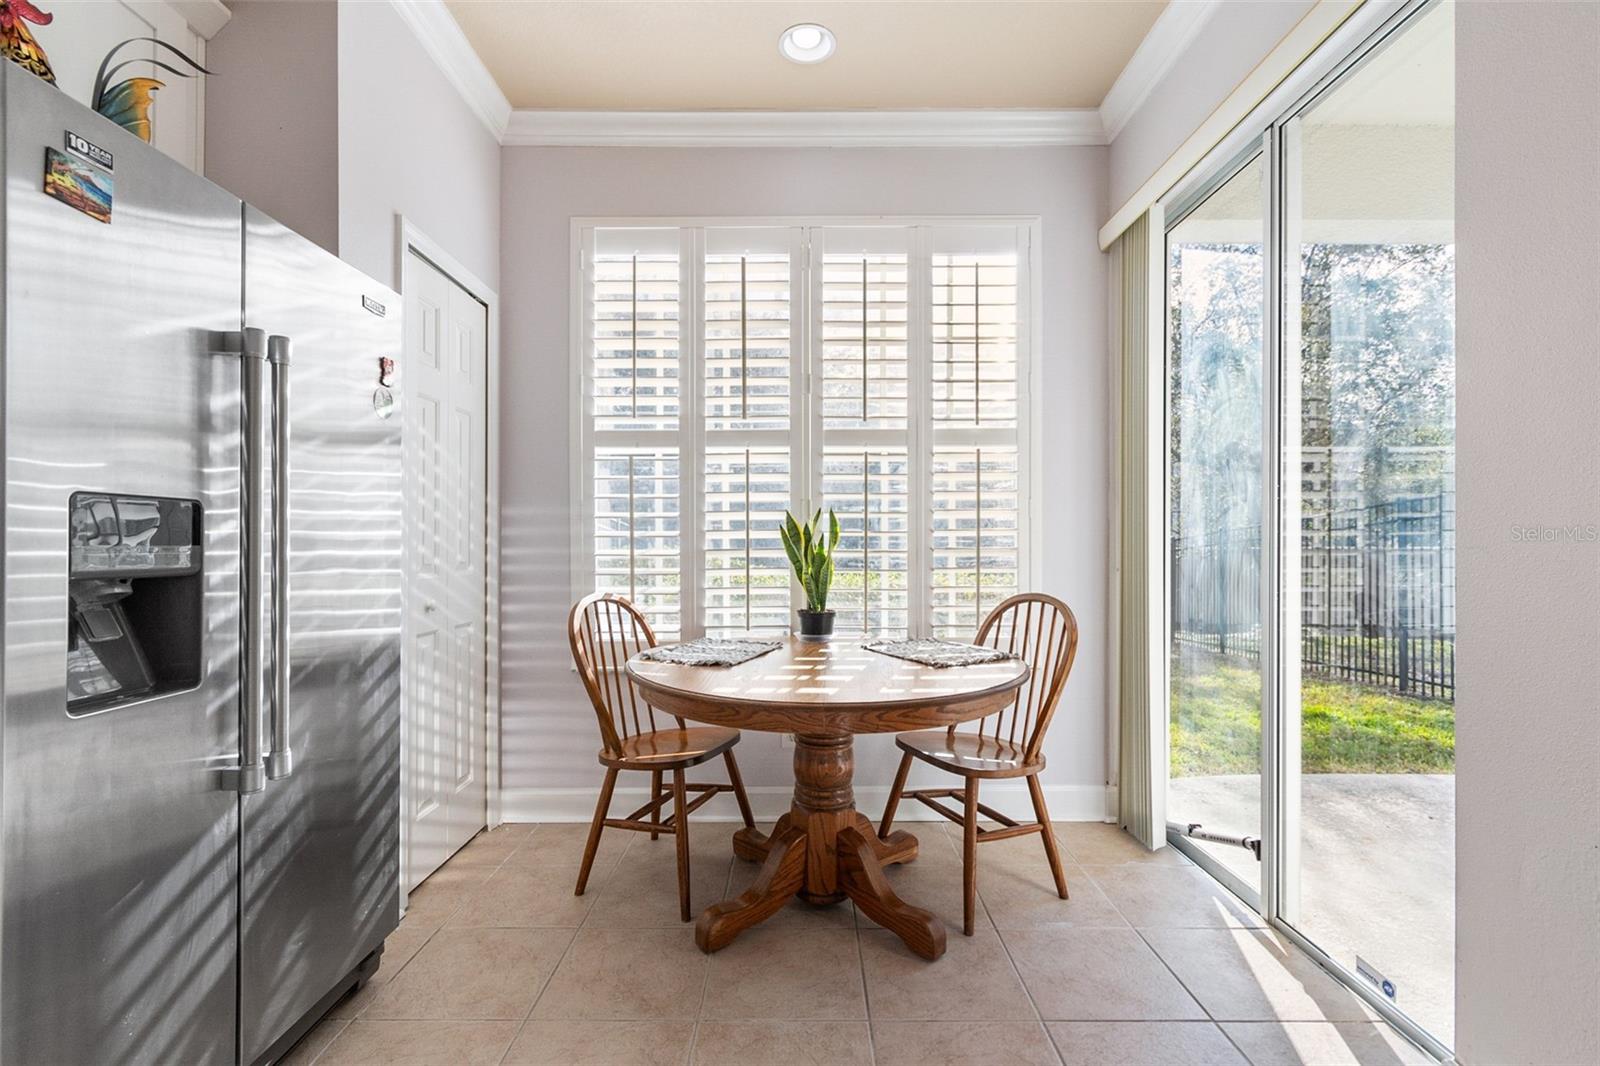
(400, 140)
(1233, 40)
(408, 143)
(1528, 455)
(271, 136)
(550, 735)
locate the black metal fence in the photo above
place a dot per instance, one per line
(1377, 595)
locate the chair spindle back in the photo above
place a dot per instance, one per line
(606, 630)
(1043, 632)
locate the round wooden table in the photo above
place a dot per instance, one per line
(824, 850)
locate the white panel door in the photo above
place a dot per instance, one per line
(445, 375)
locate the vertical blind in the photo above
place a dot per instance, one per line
(731, 373)
(1142, 736)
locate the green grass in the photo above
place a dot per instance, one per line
(1345, 728)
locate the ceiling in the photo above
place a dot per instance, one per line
(667, 55)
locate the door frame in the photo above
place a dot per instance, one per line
(410, 239)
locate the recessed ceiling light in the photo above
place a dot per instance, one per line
(806, 43)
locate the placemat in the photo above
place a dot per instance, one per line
(940, 653)
(711, 651)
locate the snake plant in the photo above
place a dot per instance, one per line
(811, 554)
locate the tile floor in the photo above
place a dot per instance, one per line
(1148, 963)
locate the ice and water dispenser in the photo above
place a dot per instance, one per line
(134, 578)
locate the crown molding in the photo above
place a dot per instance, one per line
(441, 37)
(1173, 31)
(806, 129)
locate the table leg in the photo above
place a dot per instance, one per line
(781, 876)
(861, 875)
(752, 845)
(823, 851)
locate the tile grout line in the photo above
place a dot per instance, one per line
(1152, 949)
(1148, 946)
(492, 869)
(866, 993)
(318, 1056)
(1006, 948)
(1215, 1022)
(539, 994)
(350, 1022)
(545, 984)
(705, 981)
(705, 985)
(1039, 1014)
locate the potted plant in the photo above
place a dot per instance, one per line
(811, 554)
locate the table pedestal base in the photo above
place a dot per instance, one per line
(823, 851)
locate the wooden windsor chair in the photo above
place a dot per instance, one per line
(1043, 632)
(605, 631)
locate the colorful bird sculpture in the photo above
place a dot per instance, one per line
(127, 103)
(18, 44)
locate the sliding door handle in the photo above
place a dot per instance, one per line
(280, 754)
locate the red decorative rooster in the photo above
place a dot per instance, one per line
(17, 43)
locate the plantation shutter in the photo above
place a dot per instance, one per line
(749, 384)
(636, 531)
(732, 372)
(863, 422)
(634, 373)
(977, 475)
(870, 491)
(864, 335)
(976, 541)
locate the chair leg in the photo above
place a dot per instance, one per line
(655, 798)
(969, 858)
(1037, 792)
(738, 790)
(593, 844)
(894, 796)
(680, 825)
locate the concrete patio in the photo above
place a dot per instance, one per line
(1377, 861)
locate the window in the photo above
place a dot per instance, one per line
(732, 372)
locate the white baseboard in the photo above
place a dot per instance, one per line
(1067, 803)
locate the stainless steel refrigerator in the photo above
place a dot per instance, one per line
(200, 744)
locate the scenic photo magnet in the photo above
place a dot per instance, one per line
(77, 184)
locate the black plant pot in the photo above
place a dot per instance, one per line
(815, 625)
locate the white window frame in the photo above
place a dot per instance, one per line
(805, 432)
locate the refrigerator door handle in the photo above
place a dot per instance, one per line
(251, 773)
(280, 755)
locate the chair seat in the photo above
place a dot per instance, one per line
(969, 754)
(666, 749)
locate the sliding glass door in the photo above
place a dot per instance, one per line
(1311, 537)
(1215, 285)
(1368, 421)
